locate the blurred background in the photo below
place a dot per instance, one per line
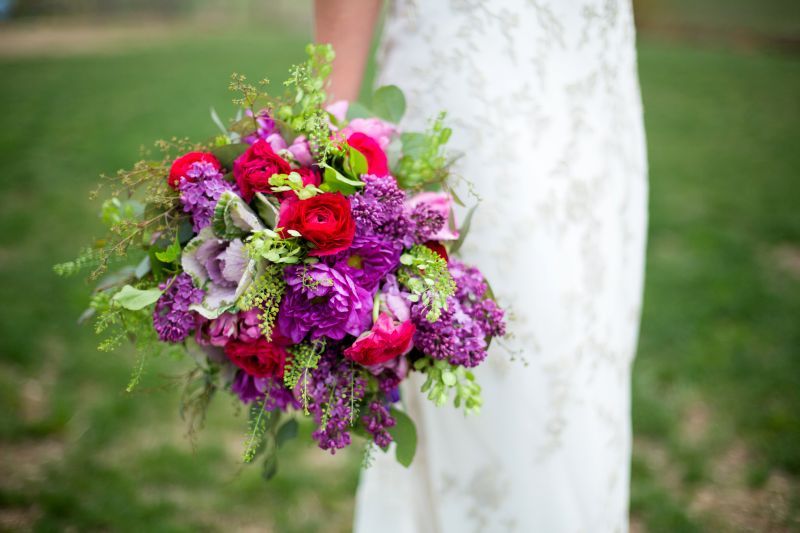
(85, 83)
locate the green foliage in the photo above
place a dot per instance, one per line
(425, 274)
(303, 359)
(389, 103)
(198, 391)
(268, 245)
(261, 432)
(293, 182)
(442, 378)
(88, 258)
(305, 114)
(424, 162)
(265, 294)
(404, 434)
(134, 299)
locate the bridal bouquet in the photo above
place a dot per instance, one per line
(304, 260)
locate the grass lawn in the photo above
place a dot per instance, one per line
(717, 381)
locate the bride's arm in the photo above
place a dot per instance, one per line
(348, 25)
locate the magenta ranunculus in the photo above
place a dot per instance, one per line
(244, 326)
(438, 202)
(385, 341)
(322, 301)
(377, 163)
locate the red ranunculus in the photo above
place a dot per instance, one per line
(324, 220)
(182, 164)
(439, 248)
(385, 341)
(260, 359)
(369, 147)
(255, 167)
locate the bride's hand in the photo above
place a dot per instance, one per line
(348, 25)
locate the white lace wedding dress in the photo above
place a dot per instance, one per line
(544, 102)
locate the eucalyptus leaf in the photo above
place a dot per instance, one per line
(135, 299)
(287, 432)
(227, 154)
(404, 434)
(463, 231)
(389, 103)
(358, 110)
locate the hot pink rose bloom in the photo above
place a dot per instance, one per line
(243, 326)
(441, 203)
(385, 341)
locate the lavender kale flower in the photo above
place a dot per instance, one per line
(368, 260)
(380, 209)
(200, 190)
(333, 388)
(172, 318)
(323, 301)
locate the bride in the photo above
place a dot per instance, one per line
(544, 102)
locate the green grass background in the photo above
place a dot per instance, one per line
(716, 382)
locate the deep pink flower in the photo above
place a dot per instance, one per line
(369, 147)
(385, 341)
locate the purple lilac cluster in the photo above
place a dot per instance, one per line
(380, 209)
(427, 222)
(172, 318)
(376, 421)
(272, 391)
(333, 387)
(322, 301)
(460, 334)
(200, 191)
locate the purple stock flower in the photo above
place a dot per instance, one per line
(428, 222)
(172, 318)
(200, 190)
(368, 260)
(323, 301)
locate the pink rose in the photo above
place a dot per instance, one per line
(380, 131)
(441, 203)
(384, 342)
(338, 109)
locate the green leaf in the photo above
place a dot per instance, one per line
(287, 432)
(227, 154)
(404, 434)
(389, 103)
(358, 110)
(334, 181)
(414, 144)
(270, 467)
(170, 254)
(462, 233)
(135, 299)
(358, 163)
